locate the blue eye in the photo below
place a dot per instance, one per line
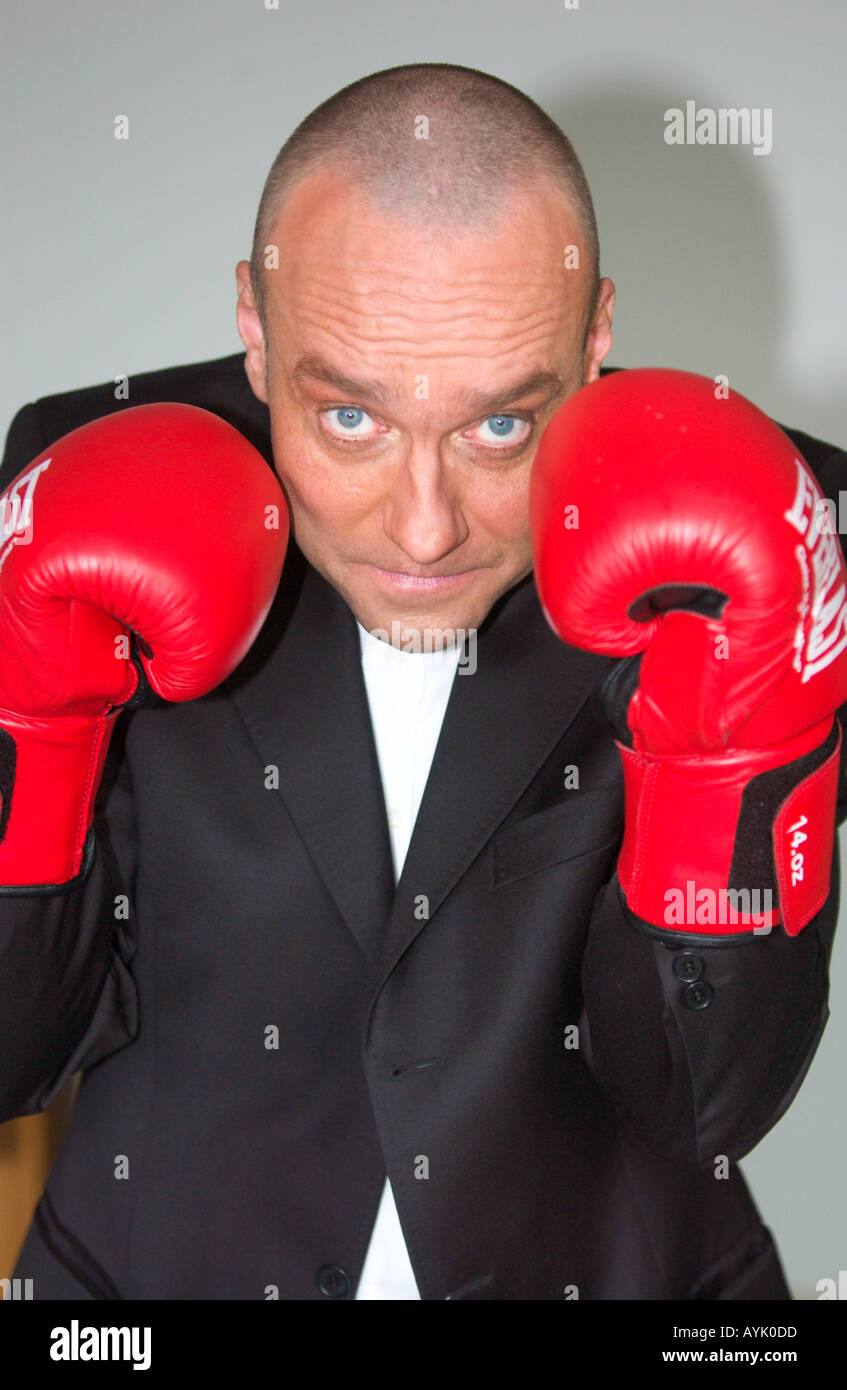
(350, 415)
(349, 422)
(503, 428)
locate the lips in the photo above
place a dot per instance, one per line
(402, 579)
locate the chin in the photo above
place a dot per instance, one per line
(376, 609)
(458, 618)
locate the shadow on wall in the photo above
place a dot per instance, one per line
(692, 237)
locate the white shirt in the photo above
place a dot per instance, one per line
(407, 695)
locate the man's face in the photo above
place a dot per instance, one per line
(409, 379)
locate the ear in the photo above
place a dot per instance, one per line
(599, 342)
(250, 331)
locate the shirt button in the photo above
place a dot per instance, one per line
(698, 996)
(333, 1281)
(394, 818)
(688, 966)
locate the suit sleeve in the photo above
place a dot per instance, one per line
(701, 1049)
(67, 996)
(699, 1079)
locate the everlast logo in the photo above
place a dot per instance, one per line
(822, 630)
(16, 510)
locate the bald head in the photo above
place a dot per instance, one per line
(434, 145)
(424, 317)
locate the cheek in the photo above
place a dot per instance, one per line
(308, 481)
(502, 508)
(321, 492)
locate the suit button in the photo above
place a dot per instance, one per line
(333, 1281)
(688, 966)
(698, 996)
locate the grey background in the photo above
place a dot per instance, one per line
(119, 255)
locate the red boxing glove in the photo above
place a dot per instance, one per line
(142, 550)
(683, 531)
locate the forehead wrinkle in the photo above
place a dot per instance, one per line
(424, 294)
(482, 351)
(490, 323)
(381, 314)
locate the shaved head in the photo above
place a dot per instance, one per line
(422, 294)
(435, 145)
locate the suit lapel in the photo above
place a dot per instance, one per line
(301, 694)
(502, 722)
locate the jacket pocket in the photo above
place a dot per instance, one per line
(586, 821)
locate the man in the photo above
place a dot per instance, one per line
(359, 1039)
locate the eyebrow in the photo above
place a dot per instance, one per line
(478, 402)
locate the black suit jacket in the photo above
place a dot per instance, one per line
(273, 1027)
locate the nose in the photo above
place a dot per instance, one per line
(422, 514)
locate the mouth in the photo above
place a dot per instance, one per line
(402, 580)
